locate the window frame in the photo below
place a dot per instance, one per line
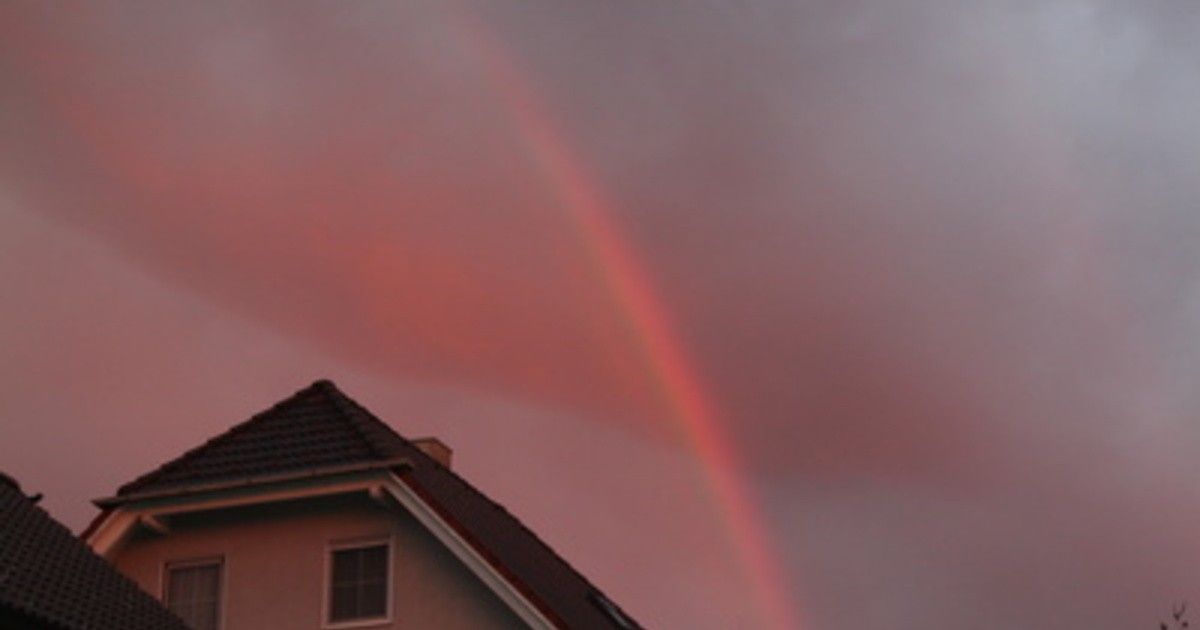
(191, 563)
(334, 546)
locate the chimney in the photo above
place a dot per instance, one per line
(434, 448)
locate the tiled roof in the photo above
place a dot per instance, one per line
(50, 579)
(320, 428)
(317, 428)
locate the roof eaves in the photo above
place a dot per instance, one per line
(395, 463)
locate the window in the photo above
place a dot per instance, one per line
(194, 592)
(358, 582)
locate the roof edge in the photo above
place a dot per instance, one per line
(521, 600)
(241, 482)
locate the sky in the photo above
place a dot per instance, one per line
(776, 314)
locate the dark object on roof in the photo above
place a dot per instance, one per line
(50, 580)
(321, 430)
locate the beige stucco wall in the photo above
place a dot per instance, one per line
(275, 565)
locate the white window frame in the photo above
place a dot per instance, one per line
(190, 563)
(327, 582)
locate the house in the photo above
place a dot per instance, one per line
(316, 514)
(50, 580)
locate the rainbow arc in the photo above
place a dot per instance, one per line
(630, 287)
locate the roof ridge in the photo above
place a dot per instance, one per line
(354, 413)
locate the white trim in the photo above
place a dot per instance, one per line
(112, 532)
(242, 482)
(327, 581)
(234, 498)
(116, 528)
(154, 524)
(497, 583)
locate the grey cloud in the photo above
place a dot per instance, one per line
(939, 252)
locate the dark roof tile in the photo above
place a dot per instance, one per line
(49, 577)
(313, 429)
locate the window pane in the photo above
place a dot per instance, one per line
(344, 605)
(373, 599)
(345, 566)
(206, 583)
(374, 563)
(359, 588)
(193, 594)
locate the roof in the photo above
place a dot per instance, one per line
(320, 429)
(50, 579)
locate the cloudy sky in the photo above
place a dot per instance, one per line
(928, 273)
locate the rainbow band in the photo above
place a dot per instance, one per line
(649, 322)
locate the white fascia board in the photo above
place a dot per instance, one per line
(253, 481)
(111, 533)
(115, 529)
(251, 495)
(488, 574)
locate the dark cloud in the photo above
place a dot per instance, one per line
(934, 263)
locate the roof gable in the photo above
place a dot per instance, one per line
(317, 428)
(49, 578)
(321, 430)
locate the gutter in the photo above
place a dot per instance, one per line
(241, 482)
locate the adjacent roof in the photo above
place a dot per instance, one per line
(50, 579)
(320, 429)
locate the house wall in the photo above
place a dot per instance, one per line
(275, 565)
